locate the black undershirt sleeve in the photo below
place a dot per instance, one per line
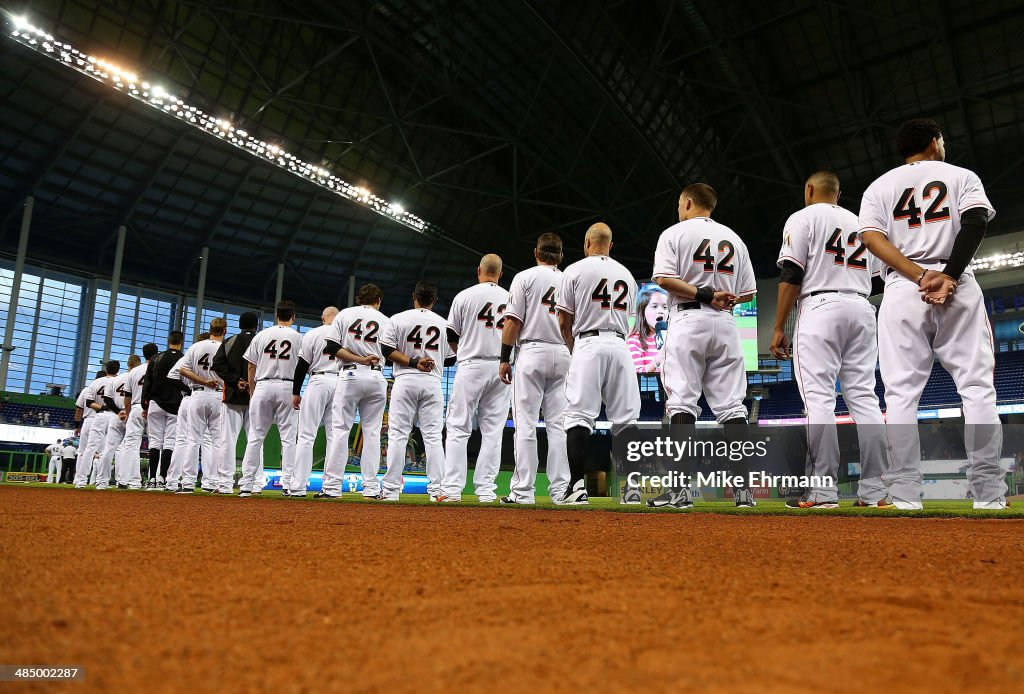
(301, 369)
(386, 350)
(452, 335)
(331, 348)
(792, 273)
(877, 286)
(450, 361)
(973, 224)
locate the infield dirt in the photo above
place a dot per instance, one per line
(169, 593)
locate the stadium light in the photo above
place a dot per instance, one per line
(127, 82)
(998, 261)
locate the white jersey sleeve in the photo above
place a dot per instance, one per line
(533, 300)
(136, 379)
(312, 350)
(600, 293)
(83, 401)
(477, 317)
(822, 240)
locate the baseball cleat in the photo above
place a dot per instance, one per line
(122, 486)
(881, 503)
(325, 495)
(907, 505)
(486, 500)
(630, 497)
(805, 504)
(185, 490)
(445, 499)
(243, 494)
(577, 496)
(673, 498)
(991, 505)
(744, 498)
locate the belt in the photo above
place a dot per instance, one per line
(942, 261)
(688, 306)
(464, 361)
(287, 380)
(596, 333)
(195, 388)
(838, 291)
(542, 342)
(321, 373)
(353, 367)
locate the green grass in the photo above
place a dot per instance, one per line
(770, 507)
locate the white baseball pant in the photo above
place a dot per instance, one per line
(234, 418)
(835, 338)
(702, 353)
(538, 382)
(911, 334)
(477, 390)
(83, 464)
(179, 445)
(204, 424)
(126, 465)
(162, 426)
(601, 370)
(414, 397)
(97, 445)
(314, 410)
(54, 469)
(111, 445)
(271, 403)
(366, 390)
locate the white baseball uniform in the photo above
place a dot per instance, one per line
(416, 395)
(702, 349)
(127, 469)
(84, 397)
(835, 338)
(87, 472)
(538, 381)
(918, 207)
(205, 416)
(182, 432)
(54, 450)
(477, 317)
(315, 408)
(600, 293)
(358, 329)
(274, 352)
(115, 433)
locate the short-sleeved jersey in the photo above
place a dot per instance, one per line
(83, 402)
(358, 329)
(101, 388)
(418, 332)
(706, 254)
(54, 450)
(312, 350)
(136, 379)
(274, 351)
(120, 389)
(199, 360)
(69, 451)
(533, 300)
(822, 240)
(600, 293)
(918, 206)
(477, 316)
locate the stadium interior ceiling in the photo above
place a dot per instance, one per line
(494, 121)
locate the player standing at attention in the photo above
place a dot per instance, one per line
(53, 471)
(114, 401)
(542, 360)
(69, 453)
(84, 418)
(354, 339)
(206, 415)
(161, 398)
(315, 407)
(98, 434)
(415, 341)
(596, 299)
(829, 273)
(925, 221)
(705, 267)
(475, 322)
(271, 355)
(232, 368)
(127, 464)
(182, 429)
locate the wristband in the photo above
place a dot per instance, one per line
(705, 295)
(506, 353)
(921, 277)
(414, 362)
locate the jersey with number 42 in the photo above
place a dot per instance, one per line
(274, 351)
(533, 300)
(418, 332)
(477, 316)
(358, 329)
(134, 382)
(199, 360)
(918, 206)
(312, 350)
(600, 293)
(704, 253)
(822, 239)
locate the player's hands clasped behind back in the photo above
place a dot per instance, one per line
(369, 360)
(724, 301)
(780, 345)
(425, 365)
(936, 287)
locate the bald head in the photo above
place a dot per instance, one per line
(328, 315)
(822, 186)
(489, 269)
(598, 240)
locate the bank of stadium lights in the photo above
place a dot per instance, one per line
(128, 82)
(998, 261)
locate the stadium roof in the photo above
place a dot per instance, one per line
(491, 121)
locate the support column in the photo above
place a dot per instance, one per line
(280, 285)
(84, 369)
(35, 333)
(200, 293)
(351, 290)
(115, 288)
(12, 309)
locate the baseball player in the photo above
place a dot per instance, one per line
(98, 433)
(924, 220)
(595, 301)
(84, 417)
(271, 357)
(475, 324)
(161, 399)
(315, 407)
(354, 339)
(542, 360)
(126, 464)
(182, 427)
(232, 368)
(114, 400)
(414, 341)
(705, 268)
(55, 451)
(69, 453)
(828, 271)
(206, 411)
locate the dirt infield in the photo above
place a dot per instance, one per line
(167, 592)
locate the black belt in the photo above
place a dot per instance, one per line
(836, 291)
(688, 306)
(321, 373)
(595, 333)
(287, 380)
(353, 367)
(944, 261)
